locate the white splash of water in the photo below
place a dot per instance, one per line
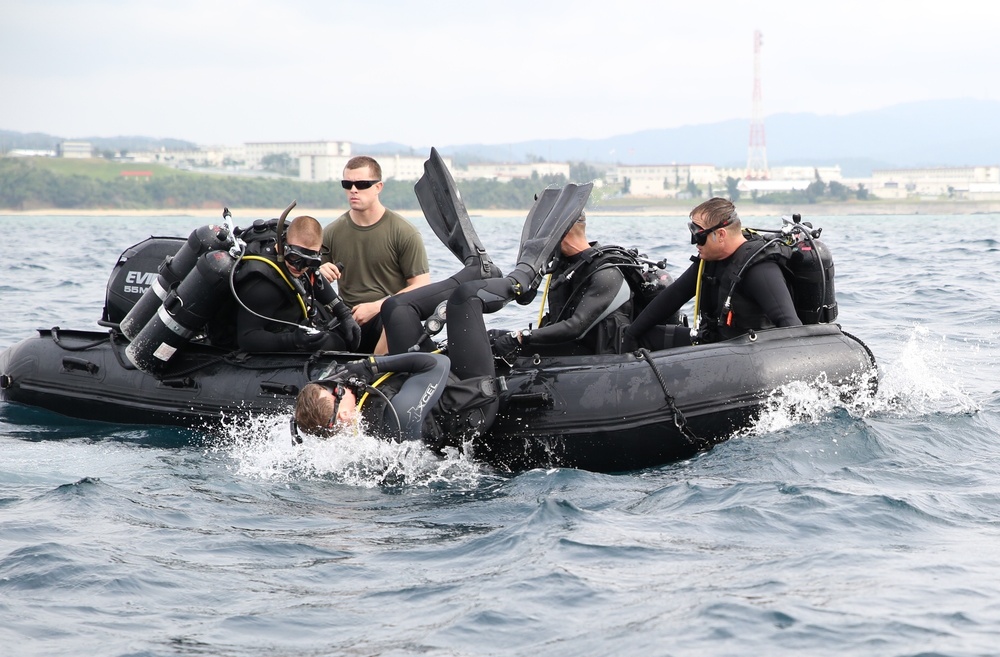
(920, 381)
(924, 379)
(261, 446)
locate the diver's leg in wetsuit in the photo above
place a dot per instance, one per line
(471, 404)
(468, 342)
(402, 314)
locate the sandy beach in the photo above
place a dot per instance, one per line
(653, 209)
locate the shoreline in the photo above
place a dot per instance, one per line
(886, 208)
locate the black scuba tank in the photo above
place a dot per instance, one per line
(186, 310)
(812, 281)
(171, 272)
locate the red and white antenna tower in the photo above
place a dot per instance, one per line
(757, 153)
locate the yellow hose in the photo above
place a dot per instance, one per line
(697, 296)
(545, 294)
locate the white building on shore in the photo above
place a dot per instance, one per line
(331, 167)
(979, 183)
(76, 149)
(507, 171)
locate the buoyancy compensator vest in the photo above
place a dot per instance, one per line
(260, 258)
(725, 311)
(644, 280)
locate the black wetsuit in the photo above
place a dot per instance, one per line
(763, 284)
(402, 314)
(588, 307)
(265, 292)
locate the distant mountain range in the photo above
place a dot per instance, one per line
(962, 132)
(917, 134)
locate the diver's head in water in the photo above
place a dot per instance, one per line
(322, 409)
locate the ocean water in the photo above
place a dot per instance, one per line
(822, 530)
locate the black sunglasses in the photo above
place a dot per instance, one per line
(302, 258)
(337, 391)
(700, 235)
(360, 184)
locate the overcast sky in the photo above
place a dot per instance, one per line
(436, 72)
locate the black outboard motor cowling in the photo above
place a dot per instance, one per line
(133, 274)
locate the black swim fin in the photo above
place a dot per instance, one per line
(445, 211)
(547, 223)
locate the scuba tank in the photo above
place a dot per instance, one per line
(185, 311)
(812, 276)
(205, 265)
(808, 266)
(172, 271)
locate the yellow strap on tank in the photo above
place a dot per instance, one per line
(302, 303)
(545, 294)
(697, 296)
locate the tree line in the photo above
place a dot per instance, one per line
(26, 186)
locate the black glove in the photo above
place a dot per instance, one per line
(506, 346)
(308, 339)
(362, 369)
(494, 334)
(348, 328)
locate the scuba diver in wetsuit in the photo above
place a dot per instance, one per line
(445, 399)
(283, 305)
(589, 300)
(737, 281)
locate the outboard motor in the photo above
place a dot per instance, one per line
(186, 310)
(132, 275)
(172, 271)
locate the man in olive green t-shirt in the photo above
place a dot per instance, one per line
(382, 253)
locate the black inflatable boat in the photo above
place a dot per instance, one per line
(601, 413)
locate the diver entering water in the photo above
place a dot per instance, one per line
(465, 406)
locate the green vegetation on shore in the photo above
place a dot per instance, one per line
(41, 183)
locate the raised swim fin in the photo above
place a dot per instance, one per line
(445, 211)
(547, 223)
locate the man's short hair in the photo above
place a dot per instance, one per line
(361, 161)
(313, 410)
(716, 210)
(305, 229)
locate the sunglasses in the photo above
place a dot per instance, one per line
(360, 184)
(301, 258)
(700, 235)
(337, 390)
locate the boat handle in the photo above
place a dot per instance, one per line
(180, 382)
(70, 364)
(279, 388)
(531, 399)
